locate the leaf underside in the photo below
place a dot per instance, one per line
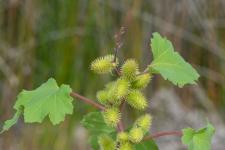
(170, 64)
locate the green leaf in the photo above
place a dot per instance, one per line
(106, 142)
(170, 64)
(9, 123)
(47, 100)
(95, 124)
(146, 145)
(93, 140)
(198, 140)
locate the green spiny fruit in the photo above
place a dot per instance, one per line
(106, 142)
(136, 135)
(112, 116)
(144, 122)
(112, 94)
(103, 65)
(122, 136)
(102, 97)
(122, 88)
(141, 81)
(129, 69)
(126, 146)
(110, 85)
(137, 100)
(117, 90)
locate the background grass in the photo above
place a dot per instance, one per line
(59, 38)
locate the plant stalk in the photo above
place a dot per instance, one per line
(160, 134)
(88, 101)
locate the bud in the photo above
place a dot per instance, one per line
(144, 122)
(103, 65)
(126, 146)
(136, 135)
(106, 143)
(141, 81)
(129, 69)
(137, 100)
(122, 137)
(112, 116)
(102, 97)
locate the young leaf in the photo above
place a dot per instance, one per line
(170, 64)
(93, 141)
(9, 123)
(95, 124)
(198, 140)
(47, 100)
(146, 145)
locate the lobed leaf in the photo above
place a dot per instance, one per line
(170, 64)
(198, 140)
(47, 100)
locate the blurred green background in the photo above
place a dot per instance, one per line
(59, 38)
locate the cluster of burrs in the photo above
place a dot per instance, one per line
(127, 88)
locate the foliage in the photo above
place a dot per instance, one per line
(169, 63)
(198, 140)
(146, 145)
(106, 128)
(9, 123)
(96, 126)
(47, 100)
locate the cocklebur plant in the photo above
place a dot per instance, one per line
(106, 126)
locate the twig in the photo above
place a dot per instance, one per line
(118, 41)
(122, 106)
(166, 133)
(120, 126)
(88, 101)
(118, 45)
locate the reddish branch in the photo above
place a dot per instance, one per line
(120, 127)
(166, 133)
(88, 101)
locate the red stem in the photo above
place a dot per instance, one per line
(88, 101)
(120, 127)
(166, 133)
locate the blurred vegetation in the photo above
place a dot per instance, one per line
(55, 38)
